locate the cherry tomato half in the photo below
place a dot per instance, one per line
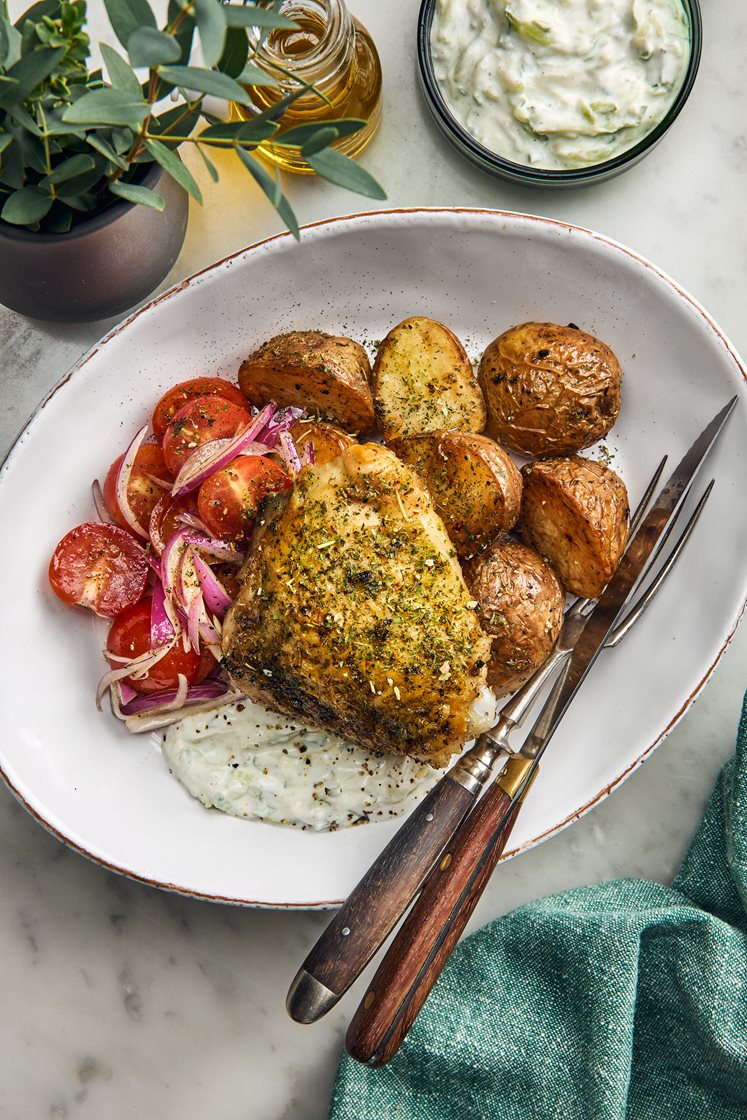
(142, 492)
(176, 398)
(229, 499)
(197, 422)
(164, 520)
(100, 567)
(130, 637)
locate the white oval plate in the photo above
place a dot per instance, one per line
(109, 794)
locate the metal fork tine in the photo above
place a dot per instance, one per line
(640, 511)
(635, 613)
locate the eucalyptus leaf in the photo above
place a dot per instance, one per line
(131, 192)
(337, 168)
(206, 81)
(253, 75)
(107, 106)
(102, 145)
(301, 134)
(69, 169)
(271, 188)
(237, 132)
(10, 44)
(181, 119)
(29, 72)
(211, 25)
(171, 162)
(24, 118)
(235, 52)
(212, 169)
(82, 183)
(121, 74)
(128, 16)
(26, 206)
(250, 16)
(147, 46)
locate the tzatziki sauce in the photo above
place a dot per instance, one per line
(250, 762)
(559, 84)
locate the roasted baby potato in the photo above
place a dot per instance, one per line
(323, 374)
(549, 390)
(327, 441)
(520, 604)
(474, 485)
(423, 381)
(575, 513)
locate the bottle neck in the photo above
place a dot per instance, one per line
(318, 51)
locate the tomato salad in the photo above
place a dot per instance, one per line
(176, 514)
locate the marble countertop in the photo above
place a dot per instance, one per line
(124, 1001)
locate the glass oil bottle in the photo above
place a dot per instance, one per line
(330, 50)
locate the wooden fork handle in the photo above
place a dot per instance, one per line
(428, 935)
(378, 902)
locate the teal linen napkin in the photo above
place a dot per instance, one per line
(624, 1001)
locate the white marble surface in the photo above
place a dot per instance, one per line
(123, 1001)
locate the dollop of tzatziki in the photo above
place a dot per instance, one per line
(253, 763)
(559, 84)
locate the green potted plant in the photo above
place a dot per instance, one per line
(93, 189)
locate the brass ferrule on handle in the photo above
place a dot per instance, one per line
(514, 775)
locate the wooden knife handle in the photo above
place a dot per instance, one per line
(424, 943)
(378, 902)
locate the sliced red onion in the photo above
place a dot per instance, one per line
(194, 617)
(126, 692)
(309, 453)
(271, 431)
(155, 720)
(137, 667)
(211, 457)
(192, 522)
(171, 562)
(214, 594)
(221, 550)
(100, 504)
(123, 480)
(173, 699)
(286, 449)
(161, 626)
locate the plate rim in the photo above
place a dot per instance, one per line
(285, 236)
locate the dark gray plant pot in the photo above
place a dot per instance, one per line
(99, 269)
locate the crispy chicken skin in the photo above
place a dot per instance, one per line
(354, 614)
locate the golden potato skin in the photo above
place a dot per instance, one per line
(327, 440)
(549, 390)
(474, 485)
(575, 512)
(321, 373)
(424, 381)
(520, 604)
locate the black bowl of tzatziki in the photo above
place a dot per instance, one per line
(555, 94)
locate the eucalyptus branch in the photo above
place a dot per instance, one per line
(71, 141)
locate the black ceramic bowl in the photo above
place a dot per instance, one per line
(535, 176)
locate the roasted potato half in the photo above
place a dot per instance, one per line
(327, 441)
(322, 373)
(575, 513)
(520, 605)
(474, 485)
(549, 390)
(423, 381)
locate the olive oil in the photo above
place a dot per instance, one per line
(332, 51)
